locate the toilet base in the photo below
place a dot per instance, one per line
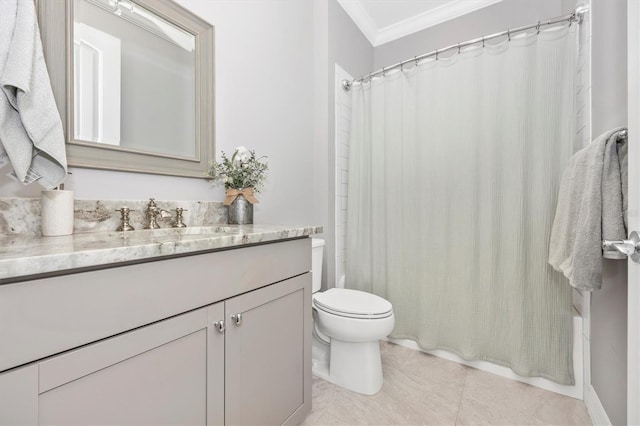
(319, 358)
(353, 366)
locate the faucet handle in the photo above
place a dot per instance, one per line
(152, 214)
(179, 223)
(124, 219)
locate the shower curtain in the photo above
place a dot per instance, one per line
(454, 168)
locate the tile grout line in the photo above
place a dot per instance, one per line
(464, 384)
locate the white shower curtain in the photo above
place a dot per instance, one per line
(454, 170)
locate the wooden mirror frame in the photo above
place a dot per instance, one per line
(55, 18)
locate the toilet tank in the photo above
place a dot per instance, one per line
(317, 247)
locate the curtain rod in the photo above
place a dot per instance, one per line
(575, 16)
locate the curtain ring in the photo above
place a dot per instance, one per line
(458, 48)
(415, 58)
(509, 34)
(401, 66)
(482, 41)
(436, 54)
(538, 28)
(384, 72)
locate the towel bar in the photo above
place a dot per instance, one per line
(622, 134)
(630, 247)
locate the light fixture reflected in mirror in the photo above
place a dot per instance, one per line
(141, 17)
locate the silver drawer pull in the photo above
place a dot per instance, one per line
(219, 325)
(237, 318)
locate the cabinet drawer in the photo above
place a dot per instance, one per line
(73, 365)
(43, 317)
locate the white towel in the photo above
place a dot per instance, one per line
(591, 207)
(31, 135)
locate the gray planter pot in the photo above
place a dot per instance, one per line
(240, 212)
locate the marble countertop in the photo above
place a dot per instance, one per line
(23, 256)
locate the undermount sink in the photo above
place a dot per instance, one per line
(168, 234)
(208, 231)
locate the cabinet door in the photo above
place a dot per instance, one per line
(153, 375)
(267, 354)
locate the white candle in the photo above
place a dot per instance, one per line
(56, 209)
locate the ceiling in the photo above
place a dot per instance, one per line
(382, 21)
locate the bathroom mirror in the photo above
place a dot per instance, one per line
(133, 80)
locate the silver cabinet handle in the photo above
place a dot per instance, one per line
(219, 325)
(630, 247)
(237, 318)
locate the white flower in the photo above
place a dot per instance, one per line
(241, 155)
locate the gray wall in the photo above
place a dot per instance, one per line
(495, 18)
(609, 305)
(349, 48)
(264, 101)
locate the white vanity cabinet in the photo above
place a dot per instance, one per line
(241, 359)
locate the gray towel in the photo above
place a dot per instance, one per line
(591, 207)
(31, 135)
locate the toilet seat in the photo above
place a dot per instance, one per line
(352, 304)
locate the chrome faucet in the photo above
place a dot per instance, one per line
(153, 211)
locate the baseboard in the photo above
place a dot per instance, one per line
(594, 407)
(576, 391)
(580, 345)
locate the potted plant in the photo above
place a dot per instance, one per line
(243, 175)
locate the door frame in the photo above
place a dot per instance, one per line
(633, 307)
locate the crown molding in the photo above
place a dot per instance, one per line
(361, 18)
(378, 36)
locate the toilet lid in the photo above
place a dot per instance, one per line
(352, 303)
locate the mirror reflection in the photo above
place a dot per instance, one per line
(133, 80)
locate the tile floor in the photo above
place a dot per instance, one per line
(422, 389)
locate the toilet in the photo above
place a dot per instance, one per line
(347, 325)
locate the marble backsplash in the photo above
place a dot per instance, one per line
(21, 216)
